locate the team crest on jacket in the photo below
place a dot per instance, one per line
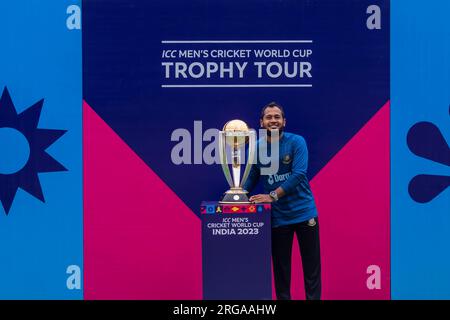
(287, 159)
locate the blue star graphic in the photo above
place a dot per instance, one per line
(38, 160)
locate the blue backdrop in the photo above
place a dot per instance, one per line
(420, 93)
(42, 233)
(123, 75)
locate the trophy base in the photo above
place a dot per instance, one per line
(235, 196)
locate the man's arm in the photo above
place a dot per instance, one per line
(253, 178)
(299, 168)
(258, 198)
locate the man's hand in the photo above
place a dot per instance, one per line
(258, 198)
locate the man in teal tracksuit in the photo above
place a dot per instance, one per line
(293, 206)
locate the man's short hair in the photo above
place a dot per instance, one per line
(272, 105)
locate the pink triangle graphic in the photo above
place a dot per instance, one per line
(352, 194)
(141, 240)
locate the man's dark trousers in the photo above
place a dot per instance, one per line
(308, 240)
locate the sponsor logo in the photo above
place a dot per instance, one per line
(278, 178)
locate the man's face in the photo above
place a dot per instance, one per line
(273, 119)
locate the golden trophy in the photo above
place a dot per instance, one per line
(236, 135)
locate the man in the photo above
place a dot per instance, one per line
(293, 206)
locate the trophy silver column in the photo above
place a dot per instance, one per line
(236, 135)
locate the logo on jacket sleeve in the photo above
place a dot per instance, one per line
(287, 159)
